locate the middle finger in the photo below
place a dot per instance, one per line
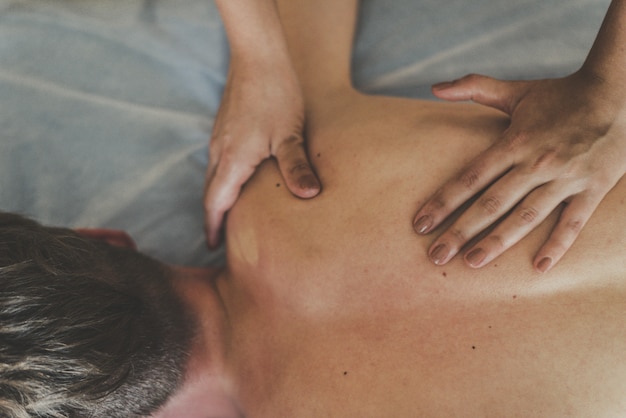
(496, 201)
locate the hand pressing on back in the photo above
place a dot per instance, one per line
(261, 114)
(566, 144)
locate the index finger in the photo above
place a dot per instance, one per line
(468, 182)
(222, 190)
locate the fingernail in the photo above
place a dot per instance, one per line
(476, 257)
(544, 265)
(423, 224)
(439, 254)
(443, 85)
(308, 182)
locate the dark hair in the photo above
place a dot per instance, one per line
(86, 329)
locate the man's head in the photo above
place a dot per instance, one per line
(86, 328)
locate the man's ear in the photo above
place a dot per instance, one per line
(113, 237)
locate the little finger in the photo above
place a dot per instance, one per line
(572, 220)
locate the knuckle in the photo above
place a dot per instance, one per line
(515, 140)
(496, 243)
(574, 225)
(214, 145)
(470, 177)
(438, 201)
(490, 204)
(298, 166)
(224, 137)
(546, 158)
(528, 214)
(458, 234)
(229, 157)
(472, 78)
(287, 144)
(561, 240)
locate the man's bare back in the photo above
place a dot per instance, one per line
(335, 309)
(337, 312)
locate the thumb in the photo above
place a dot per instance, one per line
(499, 94)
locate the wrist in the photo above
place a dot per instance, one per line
(263, 66)
(261, 53)
(600, 100)
(606, 61)
(253, 29)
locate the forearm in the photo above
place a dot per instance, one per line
(319, 35)
(261, 114)
(607, 57)
(254, 31)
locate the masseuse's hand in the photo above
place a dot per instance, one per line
(566, 143)
(261, 116)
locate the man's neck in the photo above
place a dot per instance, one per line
(206, 387)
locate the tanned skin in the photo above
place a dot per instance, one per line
(331, 308)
